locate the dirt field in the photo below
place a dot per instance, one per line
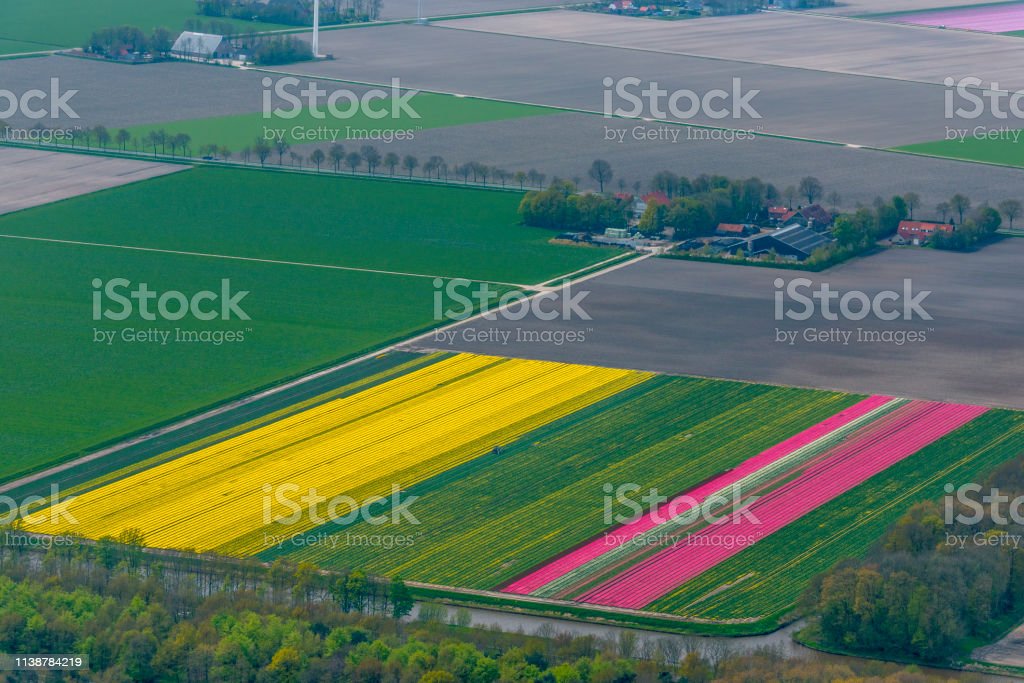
(406, 9)
(30, 178)
(719, 320)
(851, 8)
(566, 144)
(824, 43)
(808, 104)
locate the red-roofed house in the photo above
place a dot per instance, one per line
(776, 213)
(919, 232)
(657, 197)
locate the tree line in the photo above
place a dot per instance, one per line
(916, 594)
(178, 617)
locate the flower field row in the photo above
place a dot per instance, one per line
(872, 449)
(400, 432)
(494, 518)
(767, 578)
(569, 568)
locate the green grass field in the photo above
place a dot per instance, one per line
(69, 23)
(63, 392)
(420, 228)
(1006, 151)
(434, 111)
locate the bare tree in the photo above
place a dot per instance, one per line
(391, 161)
(810, 187)
(1010, 208)
(371, 156)
(943, 208)
(337, 155)
(410, 163)
(317, 158)
(281, 146)
(960, 204)
(353, 159)
(600, 172)
(912, 200)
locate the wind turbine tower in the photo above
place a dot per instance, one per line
(316, 28)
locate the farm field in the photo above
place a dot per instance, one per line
(395, 434)
(301, 316)
(1006, 17)
(1004, 150)
(479, 535)
(433, 111)
(440, 431)
(69, 23)
(30, 177)
(886, 50)
(329, 220)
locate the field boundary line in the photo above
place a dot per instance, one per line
(254, 259)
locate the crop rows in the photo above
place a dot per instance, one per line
(399, 432)
(767, 578)
(879, 445)
(494, 518)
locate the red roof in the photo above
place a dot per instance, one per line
(922, 229)
(657, 198)
(623, 195)
(777, 211)
(732, 227)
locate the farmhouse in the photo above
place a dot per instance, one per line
(794, 241)
(920, 232)
(202, 47)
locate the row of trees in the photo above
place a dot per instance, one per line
(117, 41)
(918, 595)
(290, 12)
(174, 617)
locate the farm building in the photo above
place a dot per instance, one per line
(813, 216)
(736, 229)
(795, 241)
(920, 232)
(202, 47)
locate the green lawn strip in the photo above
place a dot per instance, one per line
(64, 393)
(446, 231)
(431, 110)
(770, 575)
(69, 23)
(545, 495)
(1005, 152)
(137, 457)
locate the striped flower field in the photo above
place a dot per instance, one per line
(400, 432)
(510, 463)
(637, 563)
